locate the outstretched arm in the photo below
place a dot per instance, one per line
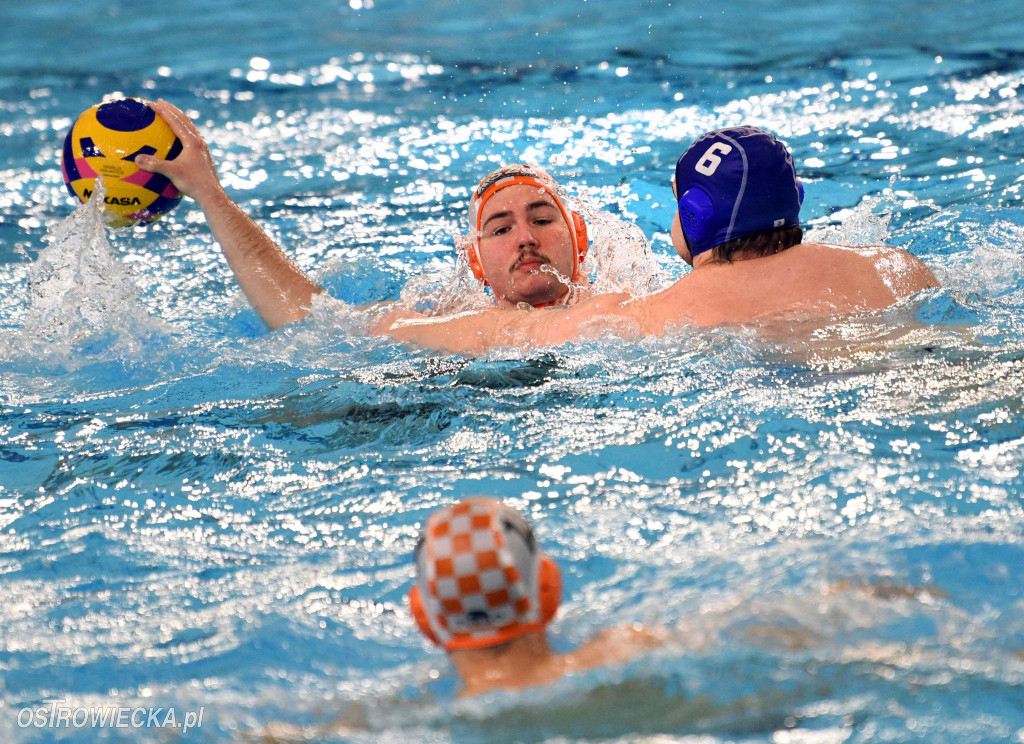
(278, 289)
(469, 333)
(474, 333)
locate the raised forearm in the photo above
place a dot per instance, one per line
(278, 290)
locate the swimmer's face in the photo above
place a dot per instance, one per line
(525, 246)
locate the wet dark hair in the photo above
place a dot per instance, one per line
(763, 243)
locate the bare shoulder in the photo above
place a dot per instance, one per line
(616, 645)
(901, 271)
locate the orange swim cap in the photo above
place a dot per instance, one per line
(517, 175)
(481, 579)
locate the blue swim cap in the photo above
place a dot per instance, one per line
(735, 182)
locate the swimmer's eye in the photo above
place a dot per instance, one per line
(503, 229)
(545, 214)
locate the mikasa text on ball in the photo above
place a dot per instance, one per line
(103, 143)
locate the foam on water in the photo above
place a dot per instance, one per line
(83, 302)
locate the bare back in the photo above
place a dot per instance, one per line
(806, 281)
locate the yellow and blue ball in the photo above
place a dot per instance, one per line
(104, 142)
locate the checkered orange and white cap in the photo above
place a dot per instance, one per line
(478, 575)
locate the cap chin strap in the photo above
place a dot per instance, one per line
(574, 220)
(553, 302)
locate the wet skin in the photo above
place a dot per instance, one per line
(524, 241)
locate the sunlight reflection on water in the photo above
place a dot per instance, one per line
(197, 512)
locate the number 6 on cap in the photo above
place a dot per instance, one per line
(708, 164)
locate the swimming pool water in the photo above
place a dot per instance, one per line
(196, 514)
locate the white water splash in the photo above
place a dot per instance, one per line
(83, 301)
(866, 224)
(619, 259)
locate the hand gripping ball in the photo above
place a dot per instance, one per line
(103, 143)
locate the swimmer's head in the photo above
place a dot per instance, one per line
(481, 579)
(522, 175)
(733, 183)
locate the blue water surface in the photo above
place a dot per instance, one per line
(199, 515)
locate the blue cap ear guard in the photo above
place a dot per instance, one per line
(697, 217)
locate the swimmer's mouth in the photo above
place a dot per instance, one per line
(530, 262)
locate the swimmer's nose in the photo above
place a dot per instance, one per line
(524, 236)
